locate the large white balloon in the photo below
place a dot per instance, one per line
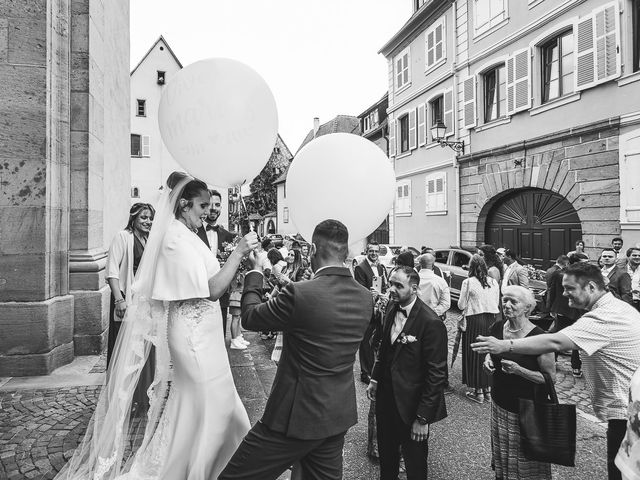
(218, 119)
(344, 177)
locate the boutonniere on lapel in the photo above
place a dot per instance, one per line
(404, 338)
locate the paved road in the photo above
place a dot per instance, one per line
(42, 419)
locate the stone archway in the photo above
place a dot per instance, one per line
(538, 224)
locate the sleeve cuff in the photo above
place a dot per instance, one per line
(257, 271)
(371, 380)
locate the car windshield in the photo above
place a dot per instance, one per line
(442, 256)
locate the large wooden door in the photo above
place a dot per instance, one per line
(539, 225)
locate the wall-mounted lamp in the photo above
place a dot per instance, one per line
(438, 135)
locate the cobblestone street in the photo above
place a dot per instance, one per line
(43, 418)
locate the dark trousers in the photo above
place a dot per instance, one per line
(393, 435)
(265, 454)
(616, 431)
(366, 353)
(225, 310)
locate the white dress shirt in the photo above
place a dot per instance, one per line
(212, 236)
(434, 291)
(400, 320)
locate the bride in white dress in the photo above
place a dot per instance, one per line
(195, 420)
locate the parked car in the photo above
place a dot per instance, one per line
(388, 253)
(277, 239)
(454, 263)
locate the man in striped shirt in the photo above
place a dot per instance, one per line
(609, 336)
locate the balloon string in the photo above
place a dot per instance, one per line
(244, 205)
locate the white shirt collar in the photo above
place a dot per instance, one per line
(409, 307)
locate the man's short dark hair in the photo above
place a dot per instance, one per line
(405, 259)
(511, 254)
(412, 275)
(215, 193)
(607, 249)
(584, 273)
(617, 239)
(631, 250)
(372, 243)
(331, 238)
(577, 257)
(266, 244)
(562, 260)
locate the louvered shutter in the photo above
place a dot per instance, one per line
(606, 43)
(429, 197)
(146, 146)
(407, 195)
(518, 82)
(441, 193)
(413, 138)
(431, 51)
(469, 104)
(448, 112)
(422, 125)
(392, 138)
(399, 72)
(440, 43)
(585, 54)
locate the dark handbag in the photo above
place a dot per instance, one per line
(548, 429)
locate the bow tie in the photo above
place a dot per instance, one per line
(402, 311)
(212, 227)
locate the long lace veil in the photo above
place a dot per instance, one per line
(117, 430)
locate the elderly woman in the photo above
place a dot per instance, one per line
(478, 302)
(515, 376)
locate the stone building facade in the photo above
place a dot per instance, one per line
(64, 143)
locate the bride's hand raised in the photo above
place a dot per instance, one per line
(247, 244)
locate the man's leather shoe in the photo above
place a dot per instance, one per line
(364, 378)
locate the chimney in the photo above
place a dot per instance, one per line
(316, 126)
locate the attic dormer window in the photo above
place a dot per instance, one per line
(161, 77)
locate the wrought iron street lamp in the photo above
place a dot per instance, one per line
(438, 135)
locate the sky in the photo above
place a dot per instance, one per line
(318, 57)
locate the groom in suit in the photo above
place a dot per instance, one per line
(213, 236)
(408, 378)
(368, 273)
(313, 399)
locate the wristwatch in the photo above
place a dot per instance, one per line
(421, 420)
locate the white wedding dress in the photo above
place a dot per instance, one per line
(203, 421)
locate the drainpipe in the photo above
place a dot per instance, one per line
(456, 165)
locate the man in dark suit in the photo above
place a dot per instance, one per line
(372, 276)
(616, 277)
(214, 235)
(312, 402)
(408, 378)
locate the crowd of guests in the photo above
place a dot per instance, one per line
(403, 355)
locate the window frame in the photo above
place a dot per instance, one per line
(543, 65)
(403, 137)
(493, 21)
(635, 35)
(431, 199)
(502, 66)
(141, 102)
(139, 137)
(443, 58)
(431, 121)
(285, 214)
(161, 77)
(407, 67)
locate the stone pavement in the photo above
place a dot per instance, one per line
(43, 418)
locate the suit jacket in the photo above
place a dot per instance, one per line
(518, 276)
(418, 369)
(223, 236)
(364, 275)
(324, 320)
(556, 301)
(620, 284)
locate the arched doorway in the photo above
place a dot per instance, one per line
(540, 225)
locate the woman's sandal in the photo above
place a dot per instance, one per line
(475, 397)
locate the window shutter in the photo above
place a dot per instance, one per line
(407, 192)
(469, 106)
(585, 54)
(440, 42)
(448, 112)
(146, 146)
(392, 138)
(399, 72)
(431, 40)
(606, 43)
(518, 82)
(422, 124)
(431, 188)
(413, 139)
(441, 193)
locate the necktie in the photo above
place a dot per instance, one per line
(212, 227)
(402, 311)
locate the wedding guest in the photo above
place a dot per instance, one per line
(122, 263)
(215, 236)
(294, 269)
(478, 302)
(515, 376)
(373, 276)
(433, 290)
(312, 403)
(608, 335)
(436, 269)
(578, 257)
(621, 258)
(414, 342)
(514, 274)
(405, 259)
(633, 269)
(579, 248)
(616, 276)
(495, 267)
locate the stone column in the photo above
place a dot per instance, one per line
(100, 171)
(36, 310)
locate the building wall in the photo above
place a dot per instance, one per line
(284, 228)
